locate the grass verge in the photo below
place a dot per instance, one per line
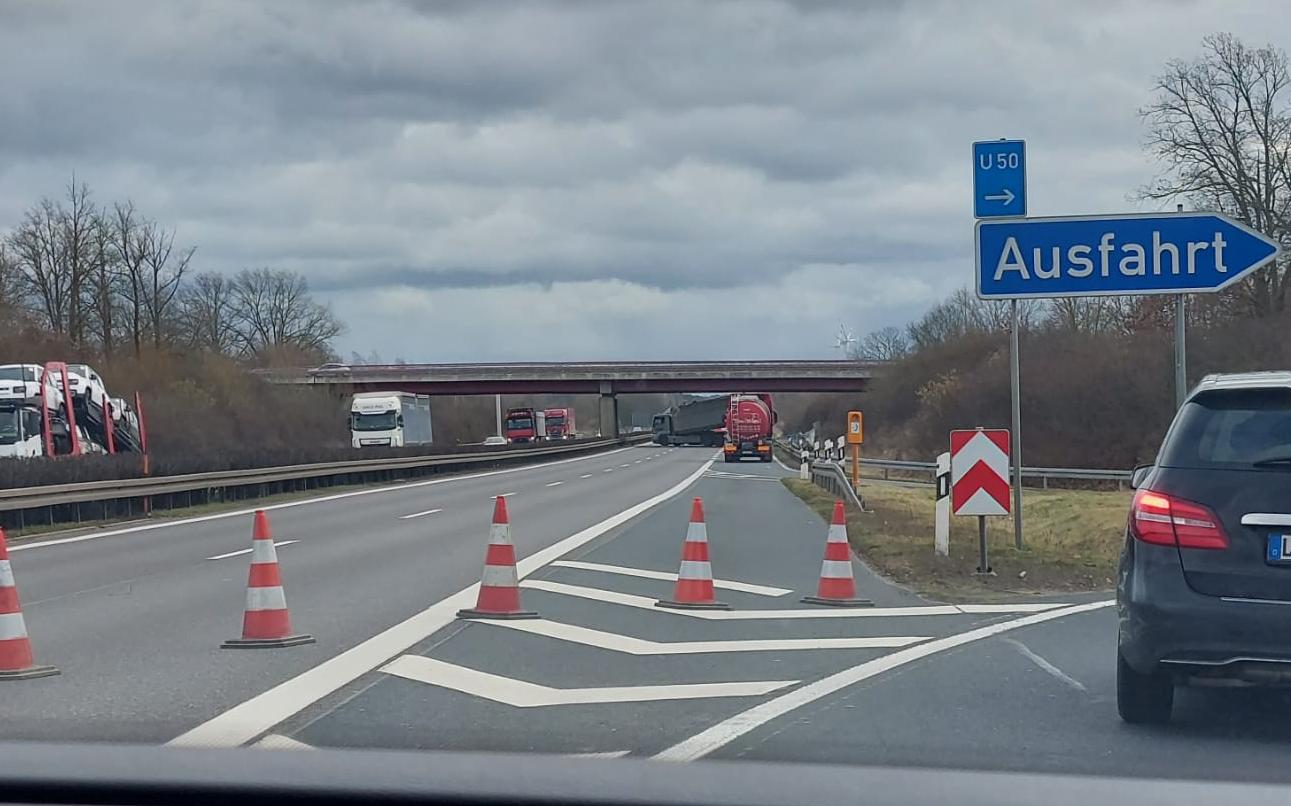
(1072, 537)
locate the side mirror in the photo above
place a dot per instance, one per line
(399, 422)
(1138, 475)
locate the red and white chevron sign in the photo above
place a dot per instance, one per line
(979, 471)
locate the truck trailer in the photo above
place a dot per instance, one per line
(696, 422)
(390, 420)
(749, 421)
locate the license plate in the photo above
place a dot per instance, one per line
(1279, 549)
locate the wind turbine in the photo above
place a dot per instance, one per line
(844, 340)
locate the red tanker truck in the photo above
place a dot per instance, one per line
(749, 420)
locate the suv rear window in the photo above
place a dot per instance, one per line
(1231, 429)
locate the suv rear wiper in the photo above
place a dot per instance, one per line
(1273, 460)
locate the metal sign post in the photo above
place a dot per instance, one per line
(983, 564)
(979, 479)
(1180, 343)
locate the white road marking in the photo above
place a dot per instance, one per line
(608, 470)
(727, 731)
(782, 464)
(624, 465)
(609, 754)
(555, 484)
(501, 495)
(522, 694)
(640, 646)
(725, 584)
(166, 524)
(637, 462)
(720, 474)
(1044, 664)
(277, 543)
(419, 514)
(586, 476)
(646, 603)
(276, 741)
(242, 723)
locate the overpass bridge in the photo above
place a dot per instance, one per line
(604, 378)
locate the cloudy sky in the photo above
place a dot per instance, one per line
(503, 180)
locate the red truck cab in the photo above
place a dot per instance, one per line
(525, 425)
(560, 423)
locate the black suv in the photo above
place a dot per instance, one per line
(1204, 588)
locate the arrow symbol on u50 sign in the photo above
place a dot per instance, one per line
(1153, 253)
(1006, 197)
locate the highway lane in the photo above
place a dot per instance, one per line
(605, 651)
(134, 619)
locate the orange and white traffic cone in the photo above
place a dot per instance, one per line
(499, 596)
(16, 659)
(837, 585)
(266, 623)
(694, 590)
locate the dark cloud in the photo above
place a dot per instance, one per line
(531, 153)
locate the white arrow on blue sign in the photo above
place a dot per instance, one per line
(1150, 253)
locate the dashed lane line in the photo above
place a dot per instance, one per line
(640, 646)
(646, 603)
(277, 544)
(523, 694)
(419, 514)
(723, 733)
(168, 523)
(664, 576)
(555, 484)
(586, 476)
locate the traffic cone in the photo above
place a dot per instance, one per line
(694, 590)
(837, 586)
(266, 623)
(16, 659)
(499, 596)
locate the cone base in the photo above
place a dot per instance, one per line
(487, 614)
(30, 673)
(692, 605)
(267, 643)
(817, 600)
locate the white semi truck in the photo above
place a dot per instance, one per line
(390, 419)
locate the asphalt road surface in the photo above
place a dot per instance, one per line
(134, 620)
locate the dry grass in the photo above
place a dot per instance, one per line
(1073, 539)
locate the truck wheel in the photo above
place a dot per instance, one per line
(1142, 699)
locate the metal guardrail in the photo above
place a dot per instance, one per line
(51, 495)
(1041, 474)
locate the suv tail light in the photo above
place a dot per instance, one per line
(1168, 521)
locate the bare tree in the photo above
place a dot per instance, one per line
(78, 219)
(104, 297)
(207, 315)
(1094, 314)
(275, 310)
(1220, 126)
(131, 254)
(963, 313)
(11, 291)
(36, 247)
(885, 344)
(163, 272)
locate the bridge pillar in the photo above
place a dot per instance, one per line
(609, 412)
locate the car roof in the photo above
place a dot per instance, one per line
(1273, 379)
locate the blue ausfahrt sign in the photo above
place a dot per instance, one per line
(1152, 253)
(999, 178)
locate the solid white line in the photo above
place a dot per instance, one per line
(640, 646)
(419, 514)
(609, 754)
(277, 544)
(776, 459)
(1045, 665)
(166, 524)
(725, 584)
(727, 731)
(555, 484)
(646, 603)
(523, 694)
(244, 722)
(276, 741)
